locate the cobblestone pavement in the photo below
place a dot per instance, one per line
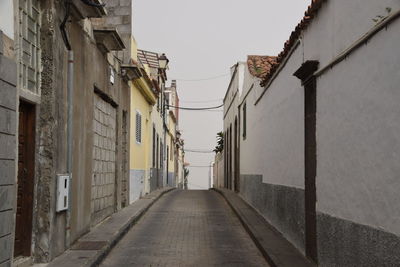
(187, 228)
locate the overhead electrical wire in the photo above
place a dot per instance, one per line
(206, 110)
(195, 108)
(202, 79)
(202, 101)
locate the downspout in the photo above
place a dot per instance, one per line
(70, 89)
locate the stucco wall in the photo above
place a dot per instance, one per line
(91, 72)
(218, 172)
(231, 112)
(275, 130)
(136, 184)
(339, 23)
(156, 178)
(142, 153)
(358, 142)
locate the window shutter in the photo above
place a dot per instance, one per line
(138, 127)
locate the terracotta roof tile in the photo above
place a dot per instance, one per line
(308, 16)
(260, 66)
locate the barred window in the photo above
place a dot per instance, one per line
(138, 127)
(29, 49)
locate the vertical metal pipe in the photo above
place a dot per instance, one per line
(70, 89)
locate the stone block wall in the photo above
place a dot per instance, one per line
(8, 128)
(104, 156)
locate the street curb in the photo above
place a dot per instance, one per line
(113, 233)
(273, 260)
(99, 257)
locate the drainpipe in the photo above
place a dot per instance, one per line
(70, 89)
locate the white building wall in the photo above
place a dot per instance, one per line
(340, 23)
(231, 103)
(275, 130)
(358, 141)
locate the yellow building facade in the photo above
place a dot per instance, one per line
(143, 98)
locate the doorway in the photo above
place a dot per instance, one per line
(26, 176)
(237, 158)
(104, 156)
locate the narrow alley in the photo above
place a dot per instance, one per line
(187, 228)
(199, 133)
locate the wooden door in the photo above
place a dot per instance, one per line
(26, 169)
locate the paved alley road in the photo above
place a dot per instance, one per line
(187, 228)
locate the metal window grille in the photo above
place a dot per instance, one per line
(29, 48)
(138, 127)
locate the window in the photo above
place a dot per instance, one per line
(138, 127)
(244, 120)
(29, 52)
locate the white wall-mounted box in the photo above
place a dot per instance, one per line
(62, 192)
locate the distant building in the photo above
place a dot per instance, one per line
(147, 90)
(180, 156)
(171, 124)
(315, 147)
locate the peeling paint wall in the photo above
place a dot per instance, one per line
(91, 73)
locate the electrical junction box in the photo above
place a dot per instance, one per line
(62, 192)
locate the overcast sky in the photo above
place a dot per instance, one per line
(204, 39)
